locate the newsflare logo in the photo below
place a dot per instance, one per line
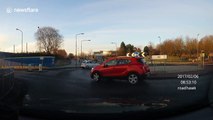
(9, 10)
(21, 10)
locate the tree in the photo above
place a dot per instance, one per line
(71, 56)
(122, 50)
(206, 44)
(137, 49)
(146, 50)
(152, 49)
(178, 46)
(191, 46)
(48, 39)
(130, 48)
(167, 47)
(61, 53)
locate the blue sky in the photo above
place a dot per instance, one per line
(137, 22)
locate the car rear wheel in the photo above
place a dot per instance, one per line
(133, 78)
(96, 76)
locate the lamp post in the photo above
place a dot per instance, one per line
(115, 47)
(76, 45)
(26, 47)
(39, 42)
(197, 51)
(21, 39)
(81, 44)
(14, 48)
(160, 43)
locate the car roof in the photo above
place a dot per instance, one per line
(124, 57)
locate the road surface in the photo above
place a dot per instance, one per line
(72, 90)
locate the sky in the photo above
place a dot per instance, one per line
(136, 22)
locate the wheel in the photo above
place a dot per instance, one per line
(133, 78)
(96, 76)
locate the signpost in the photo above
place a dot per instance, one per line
(203, 56)
(159, 57)
(40, 65)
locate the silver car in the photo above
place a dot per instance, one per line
(88, 64)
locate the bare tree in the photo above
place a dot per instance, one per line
(206, 44)
(191, 46)
(48, 39)
(178, 46)
(152, 50)
(167, 47)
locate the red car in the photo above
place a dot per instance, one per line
(131, 68)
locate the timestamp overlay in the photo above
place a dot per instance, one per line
(187, 82)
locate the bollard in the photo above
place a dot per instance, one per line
(29, 67)
(40, 67)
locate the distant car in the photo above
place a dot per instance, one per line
(87, 64)
(131, 68)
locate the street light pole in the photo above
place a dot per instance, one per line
(81, 44)
(160, 43)
(14, 48)
(21, 39)
(26, 47)
(76, 45)
(38, 30)
(115, 47)
(197, 51)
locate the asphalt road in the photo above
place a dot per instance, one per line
(66, 90)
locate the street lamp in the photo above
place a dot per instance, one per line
(76, 39)
(115, 47)
(81, 44)
(160, 43)
(26, 47)
(197, 51)
(39, 42)
(21, 39)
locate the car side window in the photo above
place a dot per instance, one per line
(123, 61)
(111, 62)
(141, 61)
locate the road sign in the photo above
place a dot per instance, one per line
(159, 57)
(41, 58)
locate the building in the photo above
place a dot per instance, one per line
(12, 59)
(5, 54)
(100, 56)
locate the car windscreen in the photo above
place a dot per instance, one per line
(166, 47)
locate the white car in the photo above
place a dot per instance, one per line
(88, 64)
